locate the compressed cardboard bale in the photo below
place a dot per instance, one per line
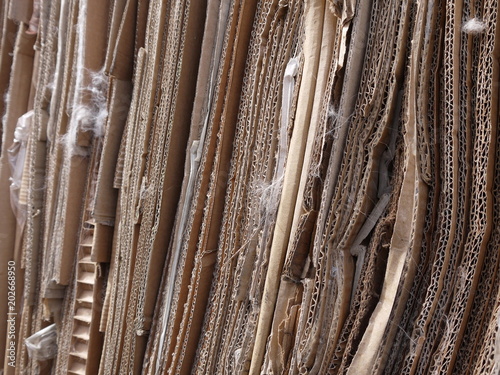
(272, 187)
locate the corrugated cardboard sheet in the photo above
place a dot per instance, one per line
(250, 186)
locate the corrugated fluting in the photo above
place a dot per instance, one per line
(249, 187)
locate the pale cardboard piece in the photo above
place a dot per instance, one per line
(104, 209)
(7, 41)
(56, 128)
(20, 10)
(91, 52)
(289, 291)
(405, 242)
(120, 54)
(118, 9)
(314, 15)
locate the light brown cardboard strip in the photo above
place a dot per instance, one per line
(314, 15)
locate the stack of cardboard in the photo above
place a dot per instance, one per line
(250, 186)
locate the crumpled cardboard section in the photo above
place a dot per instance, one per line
(313, 15)
(305, 210)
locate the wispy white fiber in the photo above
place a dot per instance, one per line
(89, 111)
(89, 117)
(474, 26)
